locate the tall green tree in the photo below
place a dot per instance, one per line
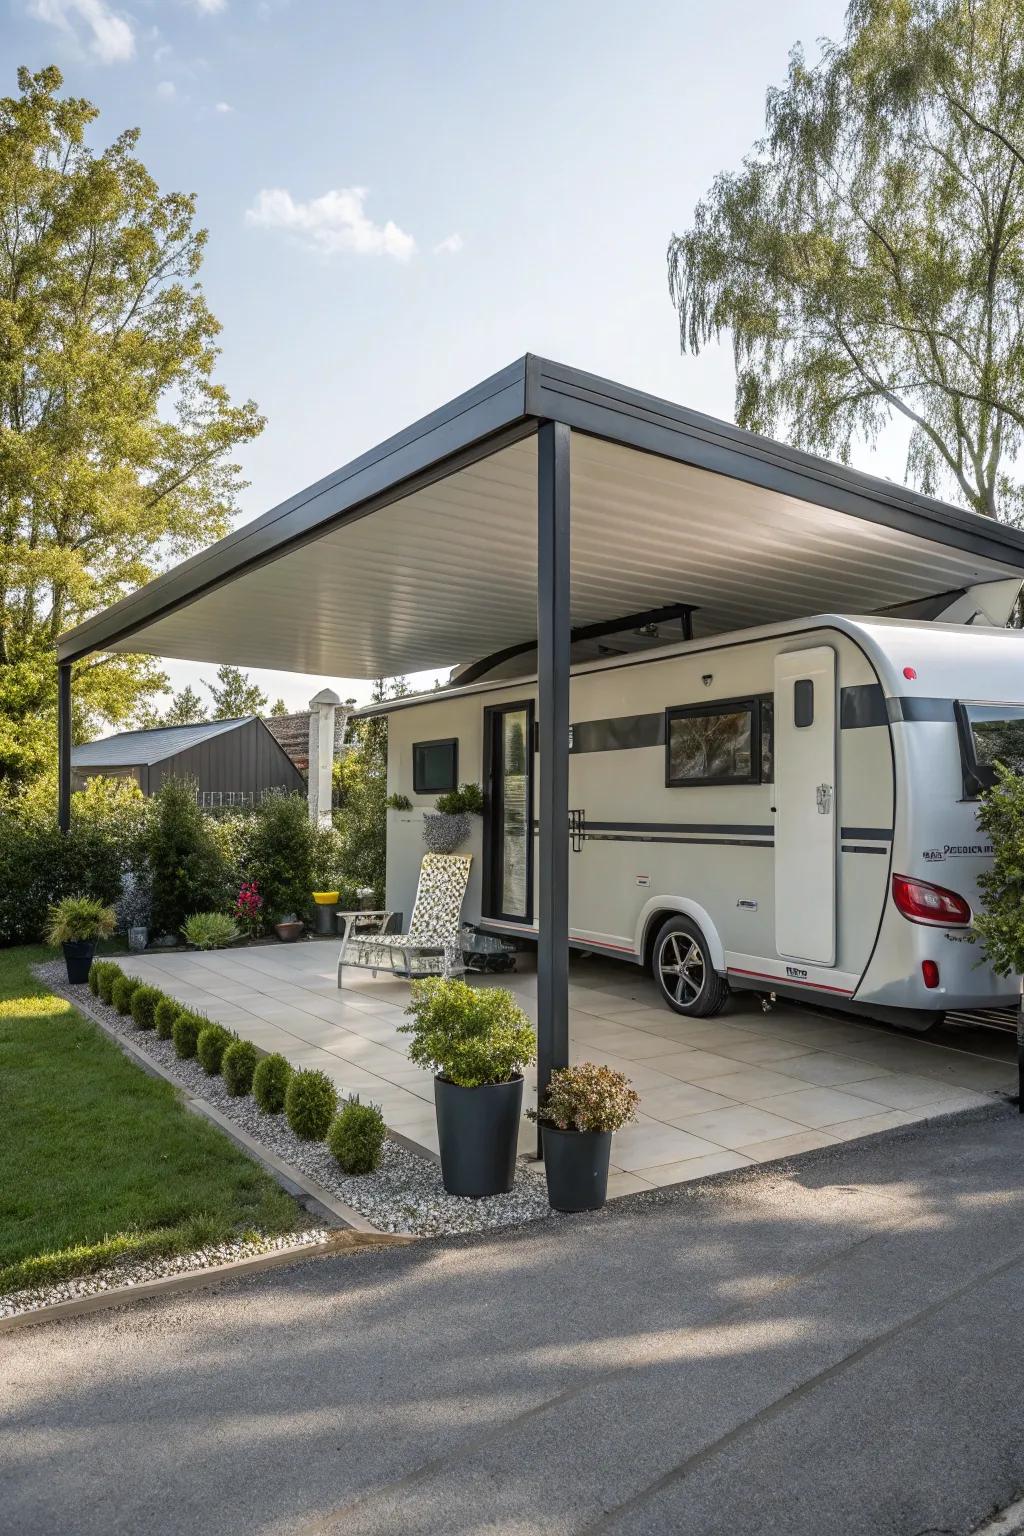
(235, 694)
(116, 442)
(868, 256)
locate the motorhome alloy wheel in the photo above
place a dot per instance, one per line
(683, 970)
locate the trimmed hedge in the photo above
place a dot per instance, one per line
(237, 1067)
(144, 1005)
(94, 977)
(310, 1102)
(210, 1047)
(185, 1033)
(122, 992)
(270, 1083)
(356, 1137)
(109, 973)
(167, 1010)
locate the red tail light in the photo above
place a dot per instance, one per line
(930, 974)
(924, 903)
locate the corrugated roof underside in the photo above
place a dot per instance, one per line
(448, 573)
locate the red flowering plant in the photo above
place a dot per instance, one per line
(249, 909)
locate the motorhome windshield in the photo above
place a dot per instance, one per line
(990, 734)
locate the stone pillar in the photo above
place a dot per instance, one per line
(321, 755)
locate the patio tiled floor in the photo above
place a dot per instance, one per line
(716, 1094)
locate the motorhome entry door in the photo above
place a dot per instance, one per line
(805, 805)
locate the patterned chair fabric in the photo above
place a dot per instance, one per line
(432, 946)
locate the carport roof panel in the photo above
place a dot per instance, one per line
(423, 552)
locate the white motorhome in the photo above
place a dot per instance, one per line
(790, 809)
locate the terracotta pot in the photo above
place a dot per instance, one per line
(288, 932)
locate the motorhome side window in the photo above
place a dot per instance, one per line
(989, 734)
(435, 766)
(729, 742)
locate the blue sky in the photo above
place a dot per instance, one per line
(404, 196)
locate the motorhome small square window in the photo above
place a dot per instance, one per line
(712, 744)
(767, 721)
(803, 703)
(435, 766)
(990, 734)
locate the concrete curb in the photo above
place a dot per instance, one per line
(198, 1279)
(311, 1195)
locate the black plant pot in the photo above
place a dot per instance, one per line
(576, 1168)
(78, 955)
(478, 1131)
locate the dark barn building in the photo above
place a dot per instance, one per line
(234, 761)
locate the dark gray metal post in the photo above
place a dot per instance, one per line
(553, 642)
(64, 746)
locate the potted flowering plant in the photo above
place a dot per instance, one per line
(578, 1112)
(477, 1042)
(249, 909)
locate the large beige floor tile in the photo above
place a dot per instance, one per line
(829, 1069)
(622, 1183)
(869, 1125)
(750, 1084)
(788, 1146)
(818, 1107)
(906, 1092)
(759, 1051)
(647, 1146)
(694, 1168)
(680, 1098)
(695, 1066)
(739, 1127)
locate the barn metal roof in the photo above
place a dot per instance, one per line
(131, 749)
(422, 553)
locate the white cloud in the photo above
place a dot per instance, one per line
(166, 90)
(337, 221)
(209, 7)
(222, 106)
(110, 36)
(451, 245)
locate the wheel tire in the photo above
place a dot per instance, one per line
(681, 950)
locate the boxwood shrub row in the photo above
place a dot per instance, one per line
(308, 1098)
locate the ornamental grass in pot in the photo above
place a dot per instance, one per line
(581, 1108)
(477, 1043)
(77, 923)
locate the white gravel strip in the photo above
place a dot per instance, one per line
(405, 1194)
(129, 1271)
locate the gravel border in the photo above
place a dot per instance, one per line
(129, 1271)
(404, 1195)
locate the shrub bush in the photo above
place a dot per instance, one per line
(270, 1082)
(213, 1041)
(310, 1102)
(167, 1010)
(185, 1033)
(109, 973)
(95, 972)
(281, 855)
(145, 1001)
(184, 859)
(122, 992)
(587, 1097)
(76, 918)
(237, 1067)
(209, 930)
(356, 1136)
(467, 1036)
(468, 800)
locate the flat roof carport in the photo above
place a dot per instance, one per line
(451, 541)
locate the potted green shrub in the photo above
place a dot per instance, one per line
(581, 1108)
(447, 826)
(477, 1043)
(77, 923)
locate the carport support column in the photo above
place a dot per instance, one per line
(553, 641)
(64, 746)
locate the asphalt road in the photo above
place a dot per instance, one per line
(835, 1347)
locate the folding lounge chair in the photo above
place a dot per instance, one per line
(432, 946)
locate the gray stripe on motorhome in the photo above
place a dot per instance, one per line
(699, 842)
(867, 834)
(619, 734)
(856, 848)
(861, 705)
(737, 829)
(904, 708)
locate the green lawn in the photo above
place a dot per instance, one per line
(97, 1159)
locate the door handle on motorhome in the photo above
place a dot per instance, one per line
(577, 829)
